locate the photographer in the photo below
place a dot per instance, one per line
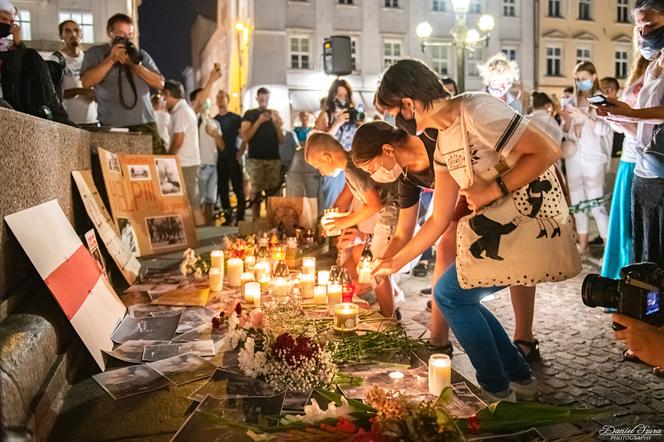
(643, 340)
(122, 76)
(340, 119)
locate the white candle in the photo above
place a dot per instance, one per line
(245, 278)
(249, 263)
(323, 277)
(217, 259)
(252, 293)
(307, 285)
(364, 274)
(261, 268)
(234, 272)
(333, 296)
(440, 373)
(320, 294)
(396, 376)
(280, 288)
(309, 266)
(345, 316)
(265, 281)
(216, 281)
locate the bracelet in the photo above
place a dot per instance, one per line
(502, 186)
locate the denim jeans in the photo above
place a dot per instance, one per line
(481, 335)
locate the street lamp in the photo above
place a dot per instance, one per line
(464, 38)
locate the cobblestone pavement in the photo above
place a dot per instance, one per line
(581, 362)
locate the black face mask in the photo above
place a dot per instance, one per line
(4, 29)
(654, 40)
(409, 126)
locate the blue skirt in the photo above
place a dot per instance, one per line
(618, 248)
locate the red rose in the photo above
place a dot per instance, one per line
(238, 308)
(216, 323)
(473, 424)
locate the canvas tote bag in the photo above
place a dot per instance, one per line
(524, 238)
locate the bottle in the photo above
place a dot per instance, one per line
(347, 286)
(364, 266)
(281, 269)
(334, 275)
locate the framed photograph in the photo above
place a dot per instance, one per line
(130, 381)
(166, 231)
(113, 162)
(139, 172)
(184, 368)
(128, 235)
(170, 181)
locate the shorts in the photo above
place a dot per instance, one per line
(207, 183)
(264, 174)
(191, 183)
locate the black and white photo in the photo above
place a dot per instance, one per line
(170, 182)
(166, 231)
(113, 162)
(128, 235)
(130, 381)
(139, 172)
(184, 368)
(164, 351)
(156, 328)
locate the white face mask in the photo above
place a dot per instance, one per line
(382, 175)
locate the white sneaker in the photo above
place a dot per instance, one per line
(490, 398)
(525, 391)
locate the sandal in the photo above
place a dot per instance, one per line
(533, 354)
(628, 356)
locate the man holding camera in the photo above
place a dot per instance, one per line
(262, 128)
(122, 76)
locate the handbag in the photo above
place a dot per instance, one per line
(523, 238)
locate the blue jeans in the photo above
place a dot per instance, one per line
(207, 183)
(481, 335)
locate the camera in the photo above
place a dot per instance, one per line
(636, 294)
(356, 115)
(132, 51)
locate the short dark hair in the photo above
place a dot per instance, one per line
(568, 90)
(610, 81)
(118, 18)
(61, 26)
(175, 88)
(655, 5)
(319, 141)
(370, 137)
(192, 94)
(262, 91)
(409, 78)
(450, 81)
(540, 99)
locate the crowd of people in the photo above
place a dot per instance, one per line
(430, 146)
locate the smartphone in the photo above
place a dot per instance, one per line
(598, 100)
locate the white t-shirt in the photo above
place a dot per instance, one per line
(183, 120)
(163, 120)
(209, 151)
(493, 128)
(80, 109)
(543, 120)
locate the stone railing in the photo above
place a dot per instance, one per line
(39, 350)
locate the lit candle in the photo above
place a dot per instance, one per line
(320, 294)
(216, 281)
(234, 272)
(249, 263)
(323, 277)
(246, 277)
(261, 268)
(345, 317)
(307, 285)
(364, 272)
(309, 266)
(252, 293)
(217, 259)
(396, 376)
(333, 296)
(280, 288)
(265, 281)
(440, 373)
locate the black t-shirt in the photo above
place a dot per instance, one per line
(411, 183)
(230, 128)
(264, 145)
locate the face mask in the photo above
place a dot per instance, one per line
(584, 85)
(649, 54)
(498, 92)
(389, 119)
(409, 125)
(4, 30)
(567, 101)
(382, 175)
(341, 104)
(207, 104)
(654, 40)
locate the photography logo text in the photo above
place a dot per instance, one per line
(638, 432)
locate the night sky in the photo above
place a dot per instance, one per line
(165, 31)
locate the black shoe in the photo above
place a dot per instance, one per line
(429, 305)
(421, 269)
(597, 241)
(397, 314)
(427, 291)
(533, 347)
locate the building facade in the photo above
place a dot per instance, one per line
(571, 31)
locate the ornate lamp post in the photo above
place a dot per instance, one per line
(464, 38)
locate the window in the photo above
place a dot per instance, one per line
(509, 8)
(392, 4)
(475, 7)
(473, 61)
(84, 20)
(345, 2)
(622, 11)
(554, 56)
(554, 8)
(622, 61)
(439, 59)
(583, 54)
(353, 54)
(23, 20)
(510, 53)
(584, 10)
(439, 5)
(391, 52)
(299, 52)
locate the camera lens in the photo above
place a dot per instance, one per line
(598, 291)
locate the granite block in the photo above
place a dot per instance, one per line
(122, 142)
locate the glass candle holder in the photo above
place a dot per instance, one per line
(323, 277)
(249, 263)
(333, 296)
(252, 293)
(440, 373)
(320, 294)
(346, 317)
(309, 265)
(280, 287)
(307, 285)
(245, 278)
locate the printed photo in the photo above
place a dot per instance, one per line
(139, 172)
(130, 381)
(166, 231)
(170, 182)
(113, 162)
(165, 351)
(132, 351)
(225, 384)
(127, 235)
(161, 328)
(184, 368)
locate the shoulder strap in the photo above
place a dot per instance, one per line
(468, 166)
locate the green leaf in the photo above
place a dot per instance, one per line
(336, 398)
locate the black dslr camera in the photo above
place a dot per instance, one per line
(637, 293)
(132, 51)
(356, 115)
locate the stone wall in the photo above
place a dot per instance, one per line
(40, 352)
